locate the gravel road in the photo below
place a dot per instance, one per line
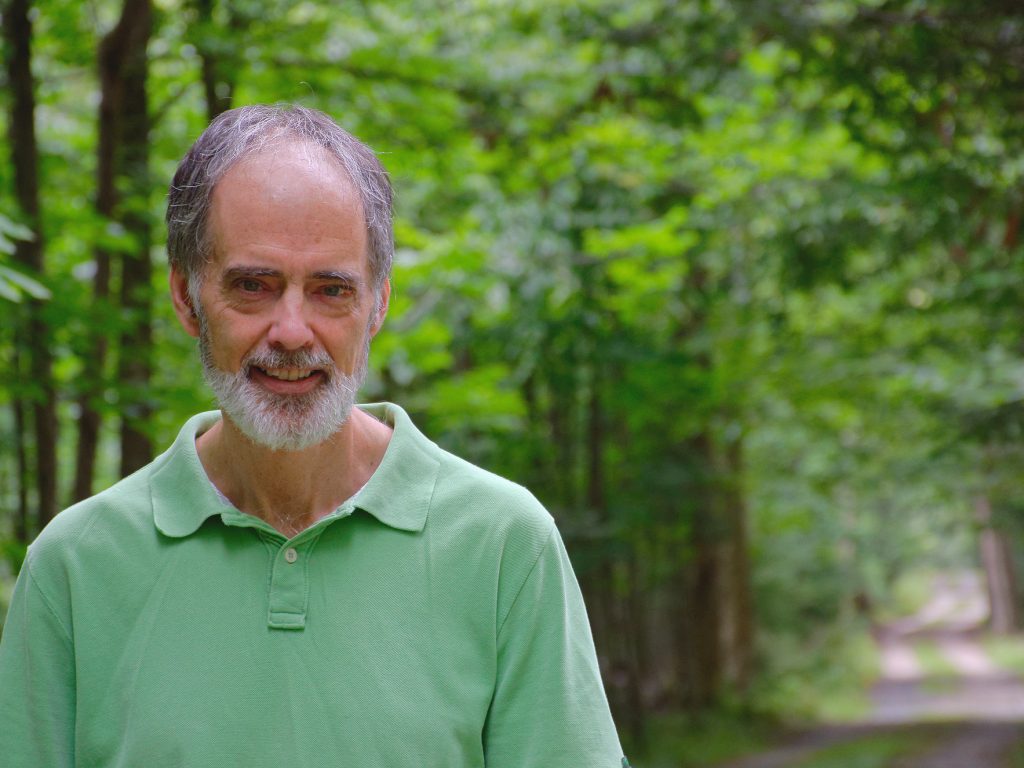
(970, 717)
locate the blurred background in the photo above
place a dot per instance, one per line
(736, 288)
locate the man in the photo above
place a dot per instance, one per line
(297, 581)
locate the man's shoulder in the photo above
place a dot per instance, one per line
(462, 495)
(124, 512)
(111, 517)
(457, 476)
(474, 496)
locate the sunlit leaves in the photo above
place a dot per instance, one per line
(14, 283)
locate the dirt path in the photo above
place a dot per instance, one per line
(970, 717)
(951, 745)
(975, 689)
(803, 746)
(969, 745)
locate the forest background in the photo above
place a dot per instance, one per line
(736, 288)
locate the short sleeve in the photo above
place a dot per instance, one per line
(37, 682)
(549, 708)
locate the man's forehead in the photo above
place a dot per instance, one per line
(281, 161)
(291, 196)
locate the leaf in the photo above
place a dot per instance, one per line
(14, 230)
(8, 292)
(13, 283)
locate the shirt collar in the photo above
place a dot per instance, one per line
(399, 491)
(398, 494)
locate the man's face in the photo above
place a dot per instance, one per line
(286, 308)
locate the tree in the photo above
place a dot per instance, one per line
(123, 187)
(32, 340)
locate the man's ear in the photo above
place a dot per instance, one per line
(382, 308)
(183, 306)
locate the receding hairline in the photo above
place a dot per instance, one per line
(319, 160)
(286, 141)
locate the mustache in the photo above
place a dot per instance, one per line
(299, 358)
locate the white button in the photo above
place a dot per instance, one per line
(291, 555)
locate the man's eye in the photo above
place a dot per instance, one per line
(336, 290)
(250, 286)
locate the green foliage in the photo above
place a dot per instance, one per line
(935, 665)
(15, 284)
(820, 677)
(876, 750)
(1007, 651)
(679, 741)
(631, 238)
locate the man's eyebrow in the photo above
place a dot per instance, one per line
(236, 273)
(342, 276)
(242, 272)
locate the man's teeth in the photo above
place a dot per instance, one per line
(288, 374)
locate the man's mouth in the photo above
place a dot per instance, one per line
(289, 374)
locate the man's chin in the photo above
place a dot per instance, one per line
(282, 434)
(279, 421)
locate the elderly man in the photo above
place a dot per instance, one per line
(297, 581)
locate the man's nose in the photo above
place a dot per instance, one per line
(289, 328)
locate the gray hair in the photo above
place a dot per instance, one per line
(240, 133)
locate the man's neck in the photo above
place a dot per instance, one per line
(291, 490)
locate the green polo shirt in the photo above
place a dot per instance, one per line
(431, 621)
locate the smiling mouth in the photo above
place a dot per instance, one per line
(289, 374)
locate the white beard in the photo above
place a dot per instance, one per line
(283, 422)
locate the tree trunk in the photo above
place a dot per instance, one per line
(635, 642)
(540, 466)
(21, 520)
(135, 352)
(219, 66)
(595, 493)
(122, 162)
(561, 406)
(737, 600)
(1004, 611)
(91, 384)
(706, 580)
(699, 627)
(29, 253)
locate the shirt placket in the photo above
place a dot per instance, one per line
(288, 600)
(289, 584)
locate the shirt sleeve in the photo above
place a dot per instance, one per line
(37, 682)
(549, 708)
